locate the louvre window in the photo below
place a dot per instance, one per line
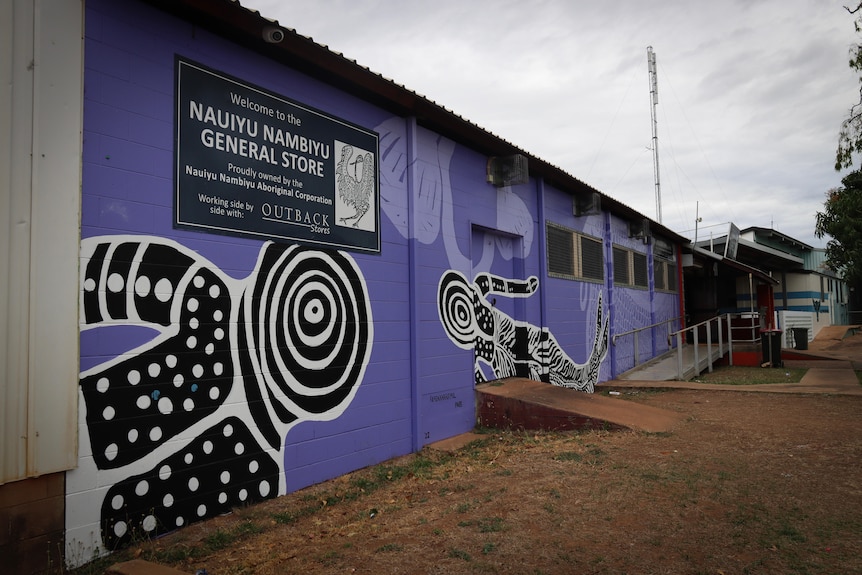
(665, 275)
(660, 272)
(630, 268)
(639, 263)
(592, 262)
(561, 254)
(572, 255)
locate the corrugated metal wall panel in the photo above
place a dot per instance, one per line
(40, 155)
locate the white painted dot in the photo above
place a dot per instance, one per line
(164, 290)
(194, 323)
(165, 472)
(197, 370)
(134, 377)
(117, 502)
(89, 284)
(166, 406)
(222, 497)
(208, 447)
(218, 315)
(102, 385)
(264, 488)
(115, 282)
(155, 434)
(171, 361)
(239, 448)
(120, 528)
(142, 286)
(253, 466)
(149, 523)
(154, 369)
(214, 393)
(180, 521)
(224, 477)
(191, 342)
(178, 380)
(218, 368)
(194, 484)
(218, 334)
(133, 435)
(143, 402)
(199, 281)
(168, 500)
(202, 510)
(111, 452)
(108, 413)
(188, 458)
(188, 404)
(215, 291)
(192, 305)
(228, 430)
(243, 494)
(210, 348)
(142, 488)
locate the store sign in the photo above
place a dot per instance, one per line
(253, 163)
(731, 246)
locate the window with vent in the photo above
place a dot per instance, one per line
(660, 272)
(572, 255)
(665, 275)
(630, 268)
(621, 266)
(639, 264)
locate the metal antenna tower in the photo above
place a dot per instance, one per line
(653, 92)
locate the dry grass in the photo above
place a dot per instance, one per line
(736, 375)
(750, 483)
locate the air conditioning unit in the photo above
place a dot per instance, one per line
(640, 229)
(507, 170)
(587, 204)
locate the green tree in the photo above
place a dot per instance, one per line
(850, 134)
(841, 219)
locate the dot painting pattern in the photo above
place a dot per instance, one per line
(204, 479)
(176, 383)
(510, 347)
(303, 344)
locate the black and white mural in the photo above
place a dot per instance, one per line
(509, 347)
(192, 423)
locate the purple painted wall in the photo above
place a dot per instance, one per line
(201, 380)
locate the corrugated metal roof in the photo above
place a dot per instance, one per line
(247, 27)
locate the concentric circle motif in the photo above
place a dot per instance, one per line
(309, 326)
(455, 299)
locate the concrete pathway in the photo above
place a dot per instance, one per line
(832, 360)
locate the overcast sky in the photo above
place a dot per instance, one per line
(751, 92)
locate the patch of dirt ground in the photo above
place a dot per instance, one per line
(749, 483)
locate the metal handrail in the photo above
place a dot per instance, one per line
(694, 329)
(636, 333)
(754, 327)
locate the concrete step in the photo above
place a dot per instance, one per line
(523, 403)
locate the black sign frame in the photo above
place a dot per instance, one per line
(253, 163)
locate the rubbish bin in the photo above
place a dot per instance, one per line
(800, 337)
(770, 342)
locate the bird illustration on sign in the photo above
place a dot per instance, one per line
(355, 181)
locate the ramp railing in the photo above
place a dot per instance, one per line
(635, 333)
(695, 330)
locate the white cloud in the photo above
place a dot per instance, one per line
(752, 93)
